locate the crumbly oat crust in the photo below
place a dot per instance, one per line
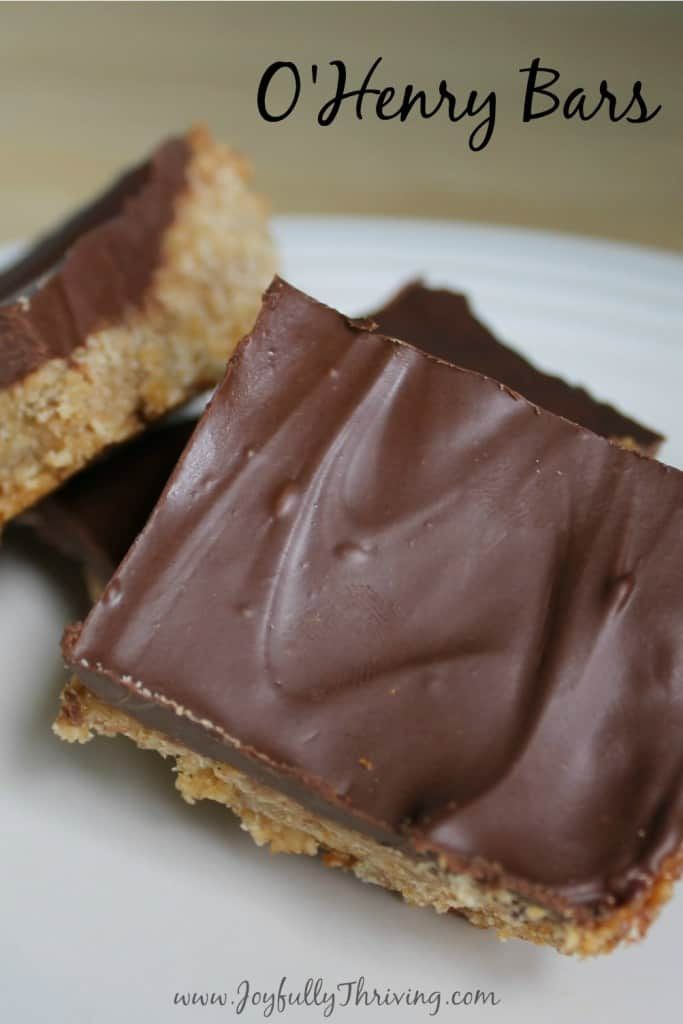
(286, 827)
(216, 259)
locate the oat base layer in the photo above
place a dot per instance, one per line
(216, 259)
(285, 826)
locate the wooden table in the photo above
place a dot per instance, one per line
(84, 88)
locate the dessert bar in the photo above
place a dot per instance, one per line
(125, 311)
(389, 610)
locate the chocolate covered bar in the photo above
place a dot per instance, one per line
(97, 514)
(442, 323)
(388, 609)
(125, 311)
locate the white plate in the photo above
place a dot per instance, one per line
(116, 895)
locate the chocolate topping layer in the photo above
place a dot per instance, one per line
(441, 323)
(84, 274)
(95, 517)
(415, 599)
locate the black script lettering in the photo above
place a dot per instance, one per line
(532, 88)
(264, 85)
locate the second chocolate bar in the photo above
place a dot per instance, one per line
(441, 323)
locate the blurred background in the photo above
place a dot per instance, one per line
(86, 88)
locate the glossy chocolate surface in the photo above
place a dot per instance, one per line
(84, 274)
(411, 596)
(95, 517)
(441, 323)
